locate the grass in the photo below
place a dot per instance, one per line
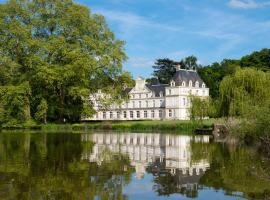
(130, 126)
(157, 126)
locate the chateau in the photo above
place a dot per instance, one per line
(156, 101)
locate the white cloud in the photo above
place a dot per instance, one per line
(140, 62)
(129, 19)
(247, 4)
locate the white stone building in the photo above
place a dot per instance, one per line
(155, 101)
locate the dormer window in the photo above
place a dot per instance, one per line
(203, 85)
(197, 84)
(183, 83)
(172, 83)
(190, 83)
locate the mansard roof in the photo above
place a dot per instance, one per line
(186, 75)
(157, 88)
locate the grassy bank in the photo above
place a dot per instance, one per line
(157, 126)
(147, 126)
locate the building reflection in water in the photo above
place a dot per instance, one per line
(153, 153)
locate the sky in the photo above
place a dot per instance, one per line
(209, 29)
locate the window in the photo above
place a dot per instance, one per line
(197, 92)
(140, 96)
(146, 95)
(145, 114)
(154, 103)
(138, 114)
(133, 104)
(203, 85)
(183, 83)
(190, 84)
(118, 114)
(111, 115)
(197, 84)
(170, 91)
(104, 115)
(133, 96)
(140, 104)
(131, 114)
(172, 83)
(146, 104)
(160, 103)
(160, 113)
(153, 114)
(126, 105)
(170, 113)
(161, 94)
(125, 114)
(184, 101)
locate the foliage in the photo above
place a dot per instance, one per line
(14, 104)
(243, 91)
(64, 51)
(213, 74)
(42, 109)
(200, 108)
(164, 68)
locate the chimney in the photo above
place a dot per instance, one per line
(178, 67)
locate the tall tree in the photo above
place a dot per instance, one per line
(190, 62)
(63, 50)
(164, 69)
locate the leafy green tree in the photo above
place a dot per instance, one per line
(190, 62)
(200, 108)
(258, 59)
(14, 104)
(239, 93)
(63, 50)
(164, 69)
(42, 109)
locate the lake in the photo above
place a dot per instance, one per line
(123, 166)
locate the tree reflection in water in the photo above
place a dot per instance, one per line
(100, 166)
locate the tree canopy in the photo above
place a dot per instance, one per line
(63, 51)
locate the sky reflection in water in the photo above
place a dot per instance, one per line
(127, 166)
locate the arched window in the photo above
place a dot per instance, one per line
(203, 85)
(190, 83)
(197, 84)
(183, 83)
(172, 83)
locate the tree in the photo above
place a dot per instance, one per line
(14, 104)
(258, 59)
(42, 109)
(164, 69)
(190, 63)
(243, 91)
(200, 108)
(63, 50)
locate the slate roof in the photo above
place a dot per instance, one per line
(186, 75)
(157, 89)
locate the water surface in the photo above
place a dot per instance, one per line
(128, 166)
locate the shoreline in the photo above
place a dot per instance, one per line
(147, 126)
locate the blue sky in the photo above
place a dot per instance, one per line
(209, 29)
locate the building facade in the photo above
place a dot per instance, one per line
(155, 101)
